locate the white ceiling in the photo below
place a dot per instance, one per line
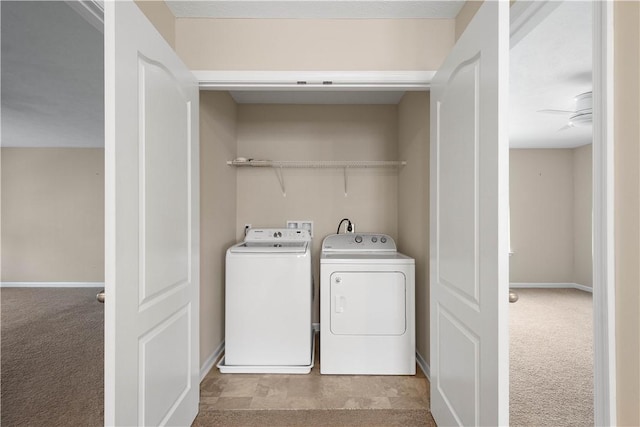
(548, 68)
(52, 77)
(52, 70)
(315, 9)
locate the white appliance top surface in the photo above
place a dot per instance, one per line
(362, 248)
(273, 240)
(366, 258)
(270, 247)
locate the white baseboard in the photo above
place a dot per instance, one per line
(211, 360)
(423, 365)
(51, 284)
(551, 286)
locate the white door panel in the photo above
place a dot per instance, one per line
(469, 251)
(458, 145)
(368, 303)
(152, 226)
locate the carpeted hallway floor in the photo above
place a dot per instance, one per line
(551, 358)
(52, 354)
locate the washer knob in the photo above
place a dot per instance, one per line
(374, 239)
(383, 240)
(358, 239)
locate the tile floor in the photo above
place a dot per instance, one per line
(313, 391)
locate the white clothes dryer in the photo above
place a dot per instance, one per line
(367, 306)
(268, 302)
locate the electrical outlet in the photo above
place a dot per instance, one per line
(302, 225)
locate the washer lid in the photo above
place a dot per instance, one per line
(270, 247)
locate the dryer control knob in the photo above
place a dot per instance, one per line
(383, 240)
(358, 239)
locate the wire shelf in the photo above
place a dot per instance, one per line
(326, 164)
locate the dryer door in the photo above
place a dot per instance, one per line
(368, 303)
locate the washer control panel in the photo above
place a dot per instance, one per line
(359, 242)
(277, 234)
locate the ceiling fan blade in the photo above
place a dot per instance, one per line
(555, 111)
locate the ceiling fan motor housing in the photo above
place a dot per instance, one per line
(582, 116)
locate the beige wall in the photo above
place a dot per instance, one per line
(541, 204)
(413, 202)
(308, 44)
(583, 215)
(313, 132)
(217, 211)
(52, 214)
(551, 216)
(627, 208)
(161, 17)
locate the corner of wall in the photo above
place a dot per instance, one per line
(218, 194)
(413, 203)
(465, 16)
(159, 14)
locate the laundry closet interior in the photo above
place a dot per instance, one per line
(379, 118)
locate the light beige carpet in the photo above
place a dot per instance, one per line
(551, 358)
(51, 371)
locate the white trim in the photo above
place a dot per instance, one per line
(423, 365)
(211, 361)
(51, 284)
(314, 80)
(583, 287)
(521, 285)
(603, 218)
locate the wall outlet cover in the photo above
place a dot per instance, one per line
(304, 225)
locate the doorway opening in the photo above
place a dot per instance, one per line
(578, 144)
(52, 216)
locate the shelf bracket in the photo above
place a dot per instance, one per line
(344, 171)
(281, 180)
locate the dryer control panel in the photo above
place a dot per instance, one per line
(359, 242)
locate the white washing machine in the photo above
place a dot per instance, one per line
(268, 303)
(367, 306)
